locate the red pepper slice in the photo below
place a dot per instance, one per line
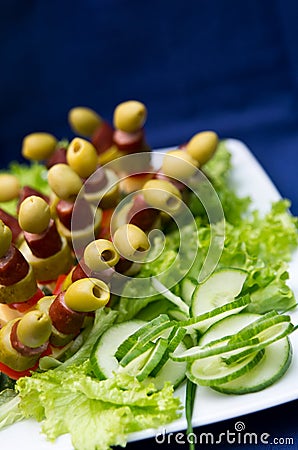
(105, 232)
(24, 306)
(59, 284)
(15, 374)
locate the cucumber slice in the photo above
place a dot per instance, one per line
(154, 358)
(275, 362)
(131, 339)
(273, 337)
(174, 340)
(228, 326)
(220, 288)
(264, 328)
(171, 371)
(204, 321)
(271, 368)
(143, 339)
(102, 358)
(104, 362)
(213, 371)
(220, 347)
(188, 286)
(255, 332)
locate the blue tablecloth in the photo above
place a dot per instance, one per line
(225, 65)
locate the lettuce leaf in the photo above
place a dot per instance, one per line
(102, 414)
(217, 171)
(263, 247)
(9, 408)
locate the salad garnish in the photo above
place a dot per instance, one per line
(125, 274)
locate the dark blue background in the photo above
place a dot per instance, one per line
(226, 65)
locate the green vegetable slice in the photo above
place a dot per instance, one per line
(213, 370)
(270, 369)
(131, 340)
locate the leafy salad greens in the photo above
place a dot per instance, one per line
(104, 412)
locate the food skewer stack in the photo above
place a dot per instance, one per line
(60, 253)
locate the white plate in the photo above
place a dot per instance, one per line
(249, 179)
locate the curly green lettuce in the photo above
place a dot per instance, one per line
(102, 414)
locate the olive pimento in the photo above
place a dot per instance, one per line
(69, 308)
(17, 280)
(23, 340)
(48, 253)
(99, 259)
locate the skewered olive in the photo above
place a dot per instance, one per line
(64, 181)
(162, 195)
(34, 214)
(86, 295)
(100, 255)
(34, 328)
(82, 157)
(131, 242)
(84, 121)
(202, 146)
(9, 187)
(130, 116)
(5, 238)
(38, 146)
(178, 164)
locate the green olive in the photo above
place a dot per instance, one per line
(5, 238)
(82, 157)
(87, 294)
(202, 146)
(64, 181)
(130, 116)
(34, 214)
(162, 195)
(9, 187)
(178, 164)
(34, 328)
(131, 242)
(38, 146)
(84, 121)
(100, 255)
